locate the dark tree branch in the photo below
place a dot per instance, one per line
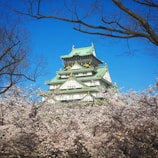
(5, 88)
(13, 60)
(149, 3)
(20, 75)
(106, 34)
(8, 49)
(11, 64)
(151, 34)
(111, 28)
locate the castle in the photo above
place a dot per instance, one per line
(81, 79)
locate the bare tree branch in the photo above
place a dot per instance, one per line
(149, 3)
(14, 60)
(106, 34)
(130, 24)
(8, 49)
(152, 36)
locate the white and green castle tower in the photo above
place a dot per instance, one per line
(80, 80)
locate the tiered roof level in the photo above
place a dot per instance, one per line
(82, 76)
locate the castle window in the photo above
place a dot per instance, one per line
(71, 86)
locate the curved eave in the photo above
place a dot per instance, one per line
(69, 57)
(98, 76)
(106, 81)
(83, 51)
(101, 62)
(80, 79)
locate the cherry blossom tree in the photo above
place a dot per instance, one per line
(123, 126)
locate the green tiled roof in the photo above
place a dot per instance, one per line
(100, 71)
(80, 51)
(74, 78)
(76, 90)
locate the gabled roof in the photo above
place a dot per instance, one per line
(73, 81)
(100, 72)
(70, 91)
(88, 97)
(84, 51)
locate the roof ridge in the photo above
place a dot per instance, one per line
(70, 78)
(76, 79)
(83, 47)
(82, 51)
(92, 46)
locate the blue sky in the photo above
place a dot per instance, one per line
(129, 62)
(130, 68)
